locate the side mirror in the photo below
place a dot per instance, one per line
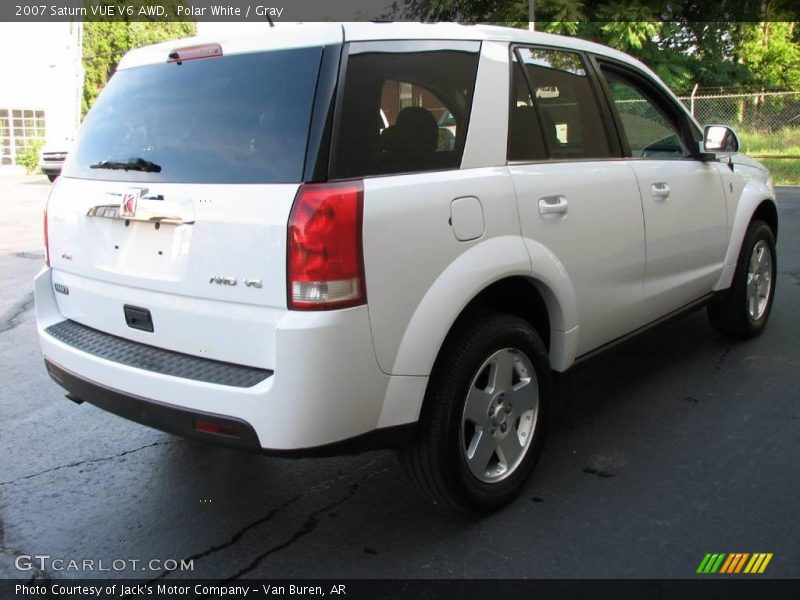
(720, 140)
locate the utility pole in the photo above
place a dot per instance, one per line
(532, 15)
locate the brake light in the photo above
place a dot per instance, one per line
(194, 52)
(46, 241)
(325, 259)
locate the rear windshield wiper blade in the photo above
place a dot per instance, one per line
(132, 164)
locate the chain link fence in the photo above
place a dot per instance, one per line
(768, 124)
(764, 112)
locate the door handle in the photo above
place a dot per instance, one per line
(552, 205)
(660, 190)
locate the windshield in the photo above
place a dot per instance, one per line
(233, 119)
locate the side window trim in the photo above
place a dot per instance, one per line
(608, 109)
(599, 91)
(653, 92)
(520, 64)
(338, 99)
(318, 147)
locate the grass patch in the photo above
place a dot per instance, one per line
(786, 142)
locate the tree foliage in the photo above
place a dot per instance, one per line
(106, 41)
(714, 44)
(771, 54)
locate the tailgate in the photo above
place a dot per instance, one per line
(214, 282)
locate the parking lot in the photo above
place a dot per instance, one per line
(673, 445)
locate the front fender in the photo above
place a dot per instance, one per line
(754, 193)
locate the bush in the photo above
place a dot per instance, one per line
(30, 158)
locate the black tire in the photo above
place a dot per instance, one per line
(436, 462)
(52, 177)
(731, 316)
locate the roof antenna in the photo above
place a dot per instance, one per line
(271, 24)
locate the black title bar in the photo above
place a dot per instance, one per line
(387, 10)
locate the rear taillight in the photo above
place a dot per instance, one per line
(325, 260)
(46, 241)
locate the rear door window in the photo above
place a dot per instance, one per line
(404, 107)
(231, 119)
(525, 141)
(566, 106)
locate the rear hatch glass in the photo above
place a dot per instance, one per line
(232, 119)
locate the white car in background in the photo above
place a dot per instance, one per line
(243, 251)
(52, 157)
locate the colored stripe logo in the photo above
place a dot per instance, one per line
(736, 562)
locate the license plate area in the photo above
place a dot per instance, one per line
(149, 250)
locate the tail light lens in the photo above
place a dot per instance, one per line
(46, 241)
(325, 260)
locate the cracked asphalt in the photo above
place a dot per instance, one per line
(675, 444)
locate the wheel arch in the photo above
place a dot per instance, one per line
(476, 280)
(755, 203)
(530, 274)
(520, 295)
(767, 211)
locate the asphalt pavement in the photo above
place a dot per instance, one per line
(673, 445)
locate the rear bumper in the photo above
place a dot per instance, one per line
(183, 422)
(154, 414)
(326, 393)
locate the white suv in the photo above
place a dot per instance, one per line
(272, 242)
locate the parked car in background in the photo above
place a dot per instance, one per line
(261, 242)
(52, 157)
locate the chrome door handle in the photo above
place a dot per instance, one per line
(552, 205)
(660, 190)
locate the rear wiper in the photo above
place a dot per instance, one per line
(133, 164)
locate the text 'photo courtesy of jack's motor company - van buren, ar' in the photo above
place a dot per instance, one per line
(217, 591)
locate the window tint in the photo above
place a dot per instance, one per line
(567, 109)
(525, 140)
(650, 133)
(233, 119)
(403, 111)
(399, 95)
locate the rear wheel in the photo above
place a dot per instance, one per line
(485, 415)
(52, 176)
(744, 311)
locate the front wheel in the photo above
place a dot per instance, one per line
(744, 311)
(484, 415)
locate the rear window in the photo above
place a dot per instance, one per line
(233, 119)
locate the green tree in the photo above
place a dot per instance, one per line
(106, 41)
(771, 54)
(726, 49)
